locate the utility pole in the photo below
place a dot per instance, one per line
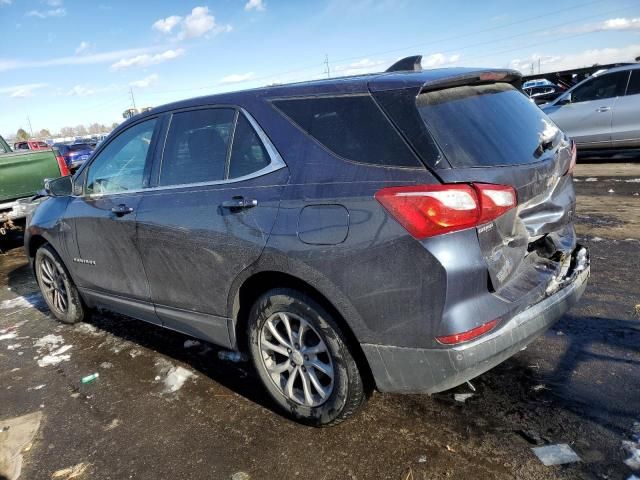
(326, 65)
(133, 100)
(538, 66)
(532, 70)
(30, 128)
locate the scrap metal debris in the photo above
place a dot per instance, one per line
(556, 454)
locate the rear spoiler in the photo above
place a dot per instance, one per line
(478, 77)
(407, 73)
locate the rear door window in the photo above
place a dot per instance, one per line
(352, 127)
(486, 125)
(634, 83)
(248, 154)
(197, 146)
(604, 86)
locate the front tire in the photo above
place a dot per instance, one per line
(303, 359)
(57, 288)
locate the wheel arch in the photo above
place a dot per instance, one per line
(259, 282)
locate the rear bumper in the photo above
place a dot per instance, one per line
(417, 370)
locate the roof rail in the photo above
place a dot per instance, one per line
(413, 64)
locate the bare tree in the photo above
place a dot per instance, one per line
(44, 133)
(80, 130)
(67, 131)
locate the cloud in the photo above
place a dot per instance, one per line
(236, 78)
(197, 24)
(145, 82)
(83, 47)
(53, 3)
(165, 25)
(5, 2)
(439, 59)
(551, 63)
(94, 58)
(360, 67)
(146, 59)
(21, 91)
(257, 5)
(81, 91)
(612, 24)
(55, 12)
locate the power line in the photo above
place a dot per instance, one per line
(432, 42)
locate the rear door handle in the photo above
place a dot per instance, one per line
(603, 109)
(121, 210)
(239, 202)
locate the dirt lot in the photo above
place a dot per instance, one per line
(578, 384)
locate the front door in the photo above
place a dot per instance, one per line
(209, 217)
(109, 268)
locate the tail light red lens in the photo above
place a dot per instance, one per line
(429, 210)
(468, 335)
(62, 165)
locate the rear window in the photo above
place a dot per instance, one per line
(80, 146)
(486, 125)
(352, 127)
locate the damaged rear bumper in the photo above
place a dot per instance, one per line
(417, 370)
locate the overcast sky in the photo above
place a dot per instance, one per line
(70, 62)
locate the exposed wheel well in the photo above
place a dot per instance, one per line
(36, 242)
(261, 282)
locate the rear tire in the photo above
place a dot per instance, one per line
(57, 288)
(303, 359)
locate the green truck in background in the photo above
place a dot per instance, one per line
(22, 175)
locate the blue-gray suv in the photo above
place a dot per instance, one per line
(404, 231)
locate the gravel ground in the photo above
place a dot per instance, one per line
(165, 406)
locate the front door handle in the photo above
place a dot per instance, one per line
(239, 202)
(121, 210)
(603, 109)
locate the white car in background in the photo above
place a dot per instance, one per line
(603, 111)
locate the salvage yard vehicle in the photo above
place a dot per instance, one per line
(601, 112)
(405, 231)
(75, 154)
(22, 175)
(31, 145)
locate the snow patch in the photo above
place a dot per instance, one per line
(8, 336)
(191, 343)
(591, 179)
(88, 329)
(49, 342)
(596, 239)
(26, 301)
(54, 358)
(633, 180)
(176, 378)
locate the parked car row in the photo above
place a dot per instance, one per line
(75, 154)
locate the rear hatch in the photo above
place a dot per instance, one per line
(482, 128)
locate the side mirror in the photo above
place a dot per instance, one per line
(59, 187)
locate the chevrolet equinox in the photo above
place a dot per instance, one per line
(404, 231)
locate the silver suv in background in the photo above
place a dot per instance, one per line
(603, 111)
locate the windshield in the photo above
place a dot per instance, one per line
(487, 125)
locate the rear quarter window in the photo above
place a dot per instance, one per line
(352, 127)
(486, 125)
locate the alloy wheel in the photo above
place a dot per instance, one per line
(53, 286)
(297, 359)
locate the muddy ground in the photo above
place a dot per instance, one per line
(579, 384)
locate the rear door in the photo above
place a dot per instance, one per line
(109, 266)
(625, 125)
(218, 186)
(587, 118)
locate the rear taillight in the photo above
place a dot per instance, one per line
(468, 335)
(428, 210)
(62, 165)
